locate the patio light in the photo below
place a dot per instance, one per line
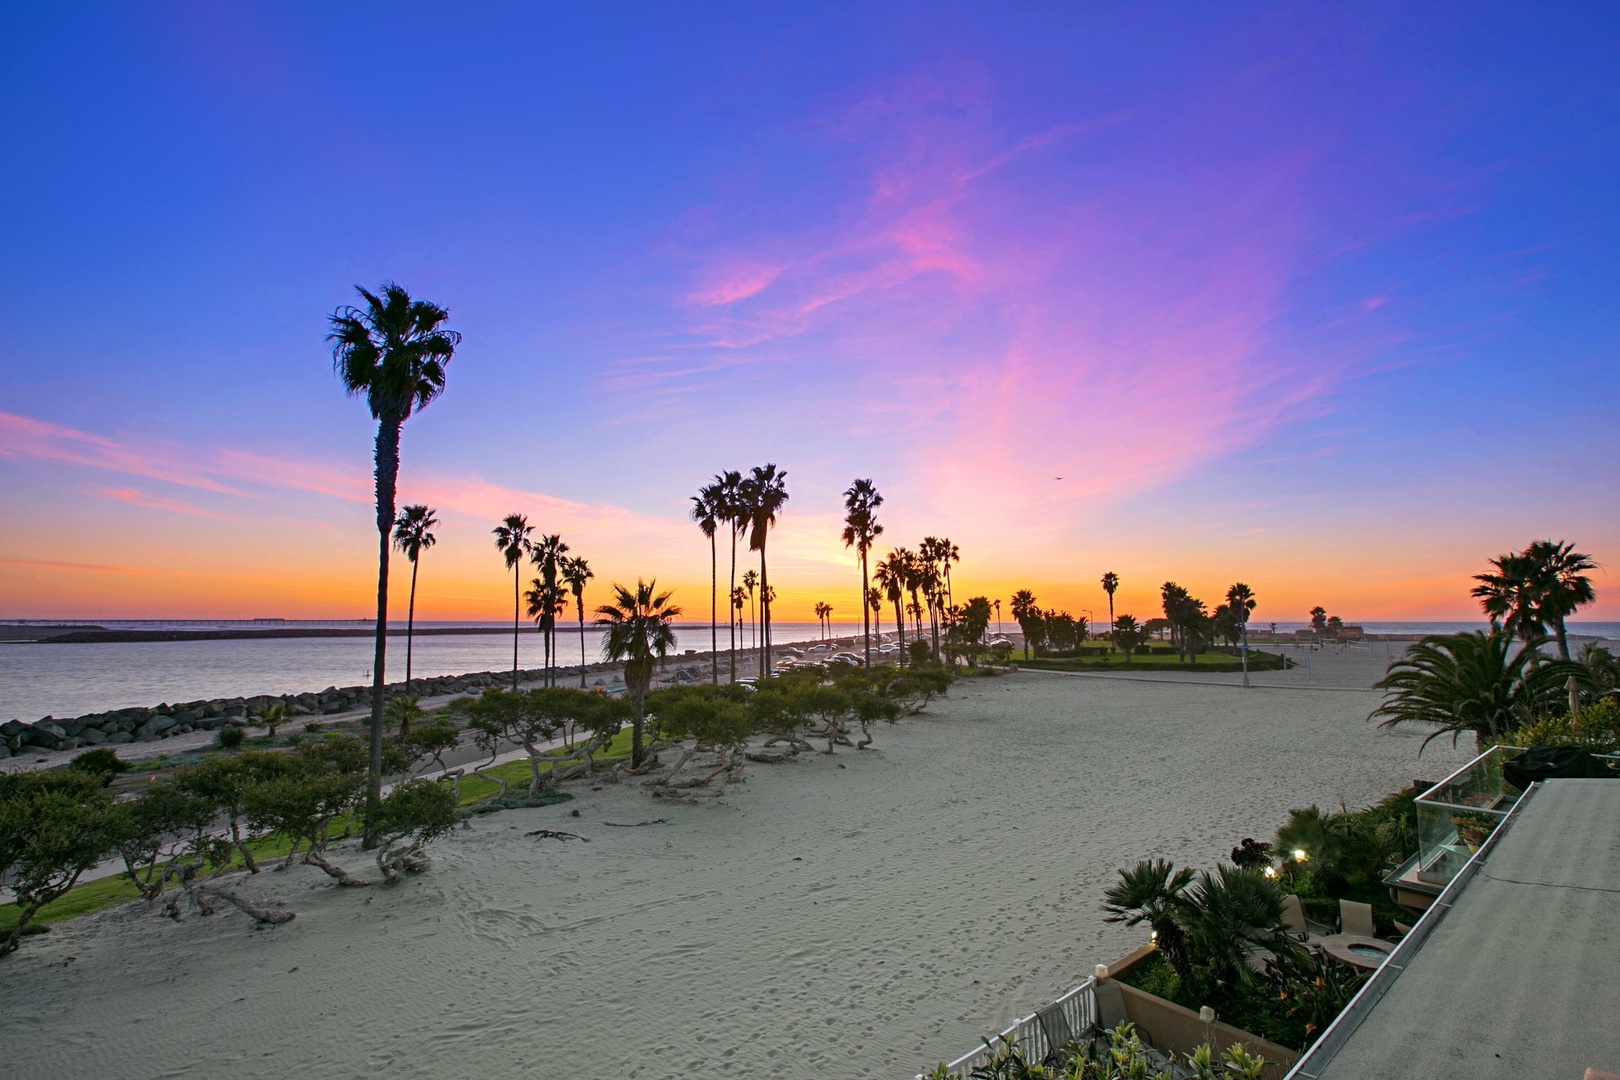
(1271, 871)
(1299, 854)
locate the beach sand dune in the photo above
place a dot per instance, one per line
(859, 915)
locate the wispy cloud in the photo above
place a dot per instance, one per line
(76, 567)
(137, 497)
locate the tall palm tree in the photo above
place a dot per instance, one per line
(1240, 598)
(413, 534)
(1110, 582)
(547, 556)
(763, 493)
(874, 602)
(1510, 599)
(1544, 584)
(948, 553)
(1024, 610)
(891, 578)
(394, 350)
(706, 513)
(1470, 682)
(861, 529)
(751, 581)
(727, 488)
(996, 603)
(638, 633)
(739, 604)
(512, 541)
(576, 572)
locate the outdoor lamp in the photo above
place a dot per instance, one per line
(1299, 854)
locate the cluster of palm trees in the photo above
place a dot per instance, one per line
(1478, 682)
(747, 505)
(561, 575)
(824, 612)
(925, 576)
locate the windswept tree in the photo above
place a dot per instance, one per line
(413, 534)
(861, 530)
(706, 514)
(1110, 583)
(763, 494)
(576, 572)
(1240, 600)
(394, 351)
(512, 541)
(638, 633)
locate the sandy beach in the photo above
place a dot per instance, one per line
(856, 915)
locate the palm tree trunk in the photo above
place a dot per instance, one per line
(387, 459)
(765, 614)
(515, 588)
(714, 610)
(410, 624)
(900, 629)
(731, 622)
(579, 602)
(866, 612)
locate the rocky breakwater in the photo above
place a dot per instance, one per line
(163, 721)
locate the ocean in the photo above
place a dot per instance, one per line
(42, 679)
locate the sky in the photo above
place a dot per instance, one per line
(1322, 299)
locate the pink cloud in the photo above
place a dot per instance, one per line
(24, 438)
(737, 282)
(136, 497)
(75, 567)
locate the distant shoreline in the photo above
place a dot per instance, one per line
(89, 637)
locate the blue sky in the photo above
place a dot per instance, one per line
(1321, 300)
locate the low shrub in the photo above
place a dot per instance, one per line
(229, 737)
(100, 762)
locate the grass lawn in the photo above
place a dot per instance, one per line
(93, 896)
(1210, 661)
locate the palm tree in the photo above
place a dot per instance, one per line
(1319, 621)
(996, 603)
(547, 554)
(727, 488)
(1023, 612)
(874, 602)
(739, 604)
(1543, 584)
(1110, 582)
(1471, 682)
(512, 541)
(706, 513)
(1240, 598)
(1226, 916)
(861, 529)
(751, 580)
(891, 578)
(763, 493)
(1128, 634)
(638, 633)
(394, 350)
(1154, 892)
(576, 572)
(413, 534)
(821, 619)
(948, 553)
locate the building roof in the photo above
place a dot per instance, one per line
(1517, 972)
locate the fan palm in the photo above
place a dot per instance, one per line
(891, 578)
(1110, 582)
(706, 513)
(413, 534)
(547, 554)
(763, 493)
(861, 529)
(638, 633)
(394, 351)
(1470, 682)
(727, 488)
(1558, 573)
(1240, 599)
(751, 582)
(874, 603)
(1153, 891)
(1227, 915)
(576, 572)
(512, 541)
(1024, 612)
(1319, 621)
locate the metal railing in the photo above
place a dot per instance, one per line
(1075, 1013)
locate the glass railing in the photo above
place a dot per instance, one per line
(1456, 815)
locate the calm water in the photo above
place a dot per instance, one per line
(68, 680)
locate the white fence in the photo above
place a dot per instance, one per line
(1071, 1017)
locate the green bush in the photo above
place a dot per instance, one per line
(229, 737)
(1595, 728)
(101, 762)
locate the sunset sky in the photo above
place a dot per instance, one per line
(1326, 300)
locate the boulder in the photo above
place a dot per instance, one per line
(13, 729)
(118, 738)
(92, 736)
(210, 723)
(45, 735)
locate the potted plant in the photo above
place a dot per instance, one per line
(1472, 827)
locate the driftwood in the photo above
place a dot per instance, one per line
(636, 824)
(557, 834)
(770, 759)
(261, 915)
